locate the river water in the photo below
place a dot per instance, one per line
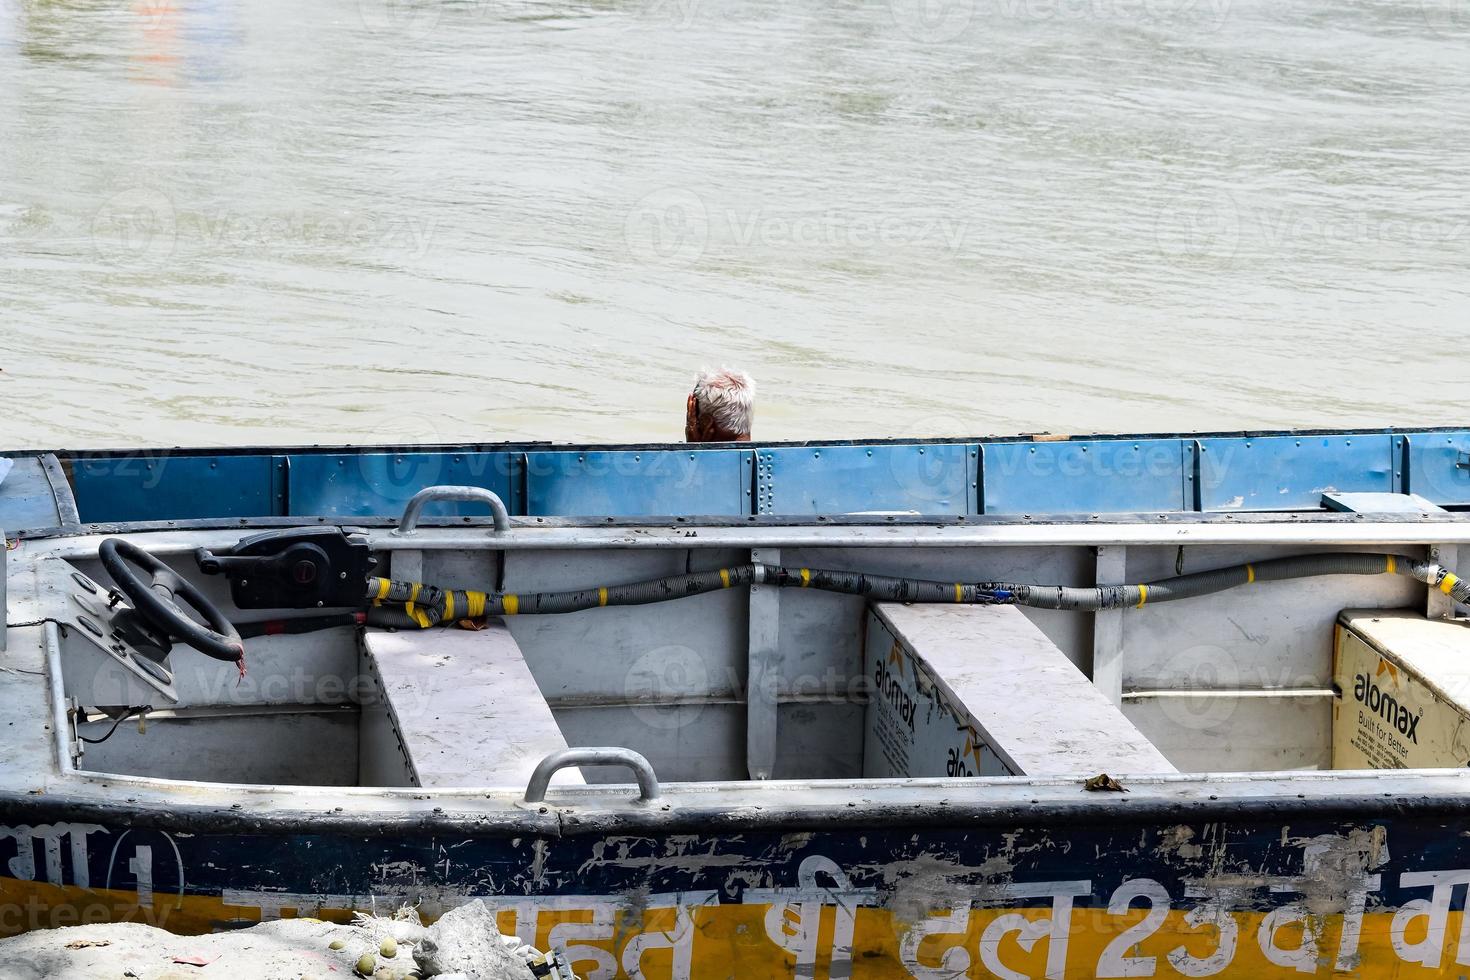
(257, 221)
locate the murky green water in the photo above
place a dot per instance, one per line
(273, 221)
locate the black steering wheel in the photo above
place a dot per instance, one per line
(157, 601)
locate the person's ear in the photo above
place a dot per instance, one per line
(691, 419)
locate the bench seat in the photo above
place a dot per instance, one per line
(465, 707)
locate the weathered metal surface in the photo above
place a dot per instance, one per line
(348, 484)
(656, 481)
(967, 681)
(1099, 476)
(763, 673)
(1437, 466)
(1312, 896)
(1318, 529)
(172, 486)
(61, 492)
(1379, 503)
(1107, 627)
(1292, 472)
(1205, 663)
(297, 747)
(27, 497)
(937, 478)
(465, 706)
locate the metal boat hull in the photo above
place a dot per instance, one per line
(1314, 890)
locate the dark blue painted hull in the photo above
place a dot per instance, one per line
(1300, 895)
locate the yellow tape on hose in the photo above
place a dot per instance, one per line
(1448, 582)
(1142, 596)
(414, 614)
(476, 603)
(511, 604)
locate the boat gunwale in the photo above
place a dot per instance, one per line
(767, 806)
(68, 455)
(1313, 527)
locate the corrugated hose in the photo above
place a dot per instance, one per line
(409, 604)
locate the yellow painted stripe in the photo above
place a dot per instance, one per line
(1250, 574)
(959, 592)
(449, 606)
(725, 577)
(1448, 582)
(723, 931)
(806, 577)
(511, 604)
(602, 596)
(1393, 565)
(1142, 596)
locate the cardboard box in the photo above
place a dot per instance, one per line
(1403, 692)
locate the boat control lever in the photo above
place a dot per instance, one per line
(295, 568)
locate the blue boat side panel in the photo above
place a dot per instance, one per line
(927, 479)
(1103, 475)
(381, 484)
(1439, 466)
(1093, 477)
(681, 482)
(26, 499)
(167, 487)
(1292, 472)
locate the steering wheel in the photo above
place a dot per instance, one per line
(157, 601)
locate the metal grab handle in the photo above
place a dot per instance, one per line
(410, 520)
(648, 791)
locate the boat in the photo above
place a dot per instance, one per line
(1041, 706)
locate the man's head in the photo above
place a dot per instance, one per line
(721, 407)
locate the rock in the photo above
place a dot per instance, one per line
(467, 941)
(465, 946)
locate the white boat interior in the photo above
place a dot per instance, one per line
(737, 685)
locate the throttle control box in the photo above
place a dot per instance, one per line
(294, 568)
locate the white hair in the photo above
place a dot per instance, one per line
(728, 397)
